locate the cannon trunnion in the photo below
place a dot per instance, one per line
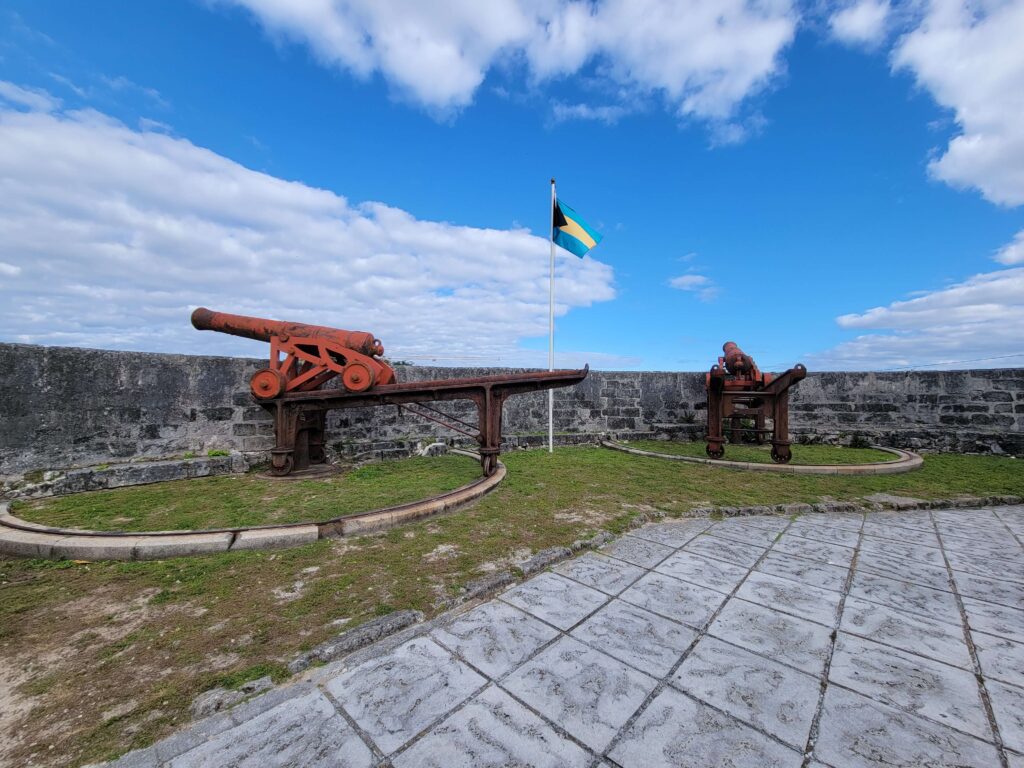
(738, 390)
(304, 358)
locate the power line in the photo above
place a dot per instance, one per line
(954, 362)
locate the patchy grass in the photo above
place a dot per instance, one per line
(99, 658)
(761, 454)
(238, 500)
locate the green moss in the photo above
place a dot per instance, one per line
(165, 631)
(217, 452)
(239, 500)
(235, 680)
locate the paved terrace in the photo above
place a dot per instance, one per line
(891, 639)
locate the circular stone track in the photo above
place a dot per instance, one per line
(324, 504)
(857, 461)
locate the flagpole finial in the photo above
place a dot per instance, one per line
(552, 180)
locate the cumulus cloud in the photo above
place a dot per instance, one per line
(968, 56)
(109, 236)
(704, 287)
(958, 326)
(704, 58)
(862, 23)
(29, 98)
(609, 114)
(1012, 252)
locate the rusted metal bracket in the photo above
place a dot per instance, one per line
(299, 417)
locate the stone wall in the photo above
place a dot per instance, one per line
(62, 407)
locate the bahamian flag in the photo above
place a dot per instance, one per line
(571, 232)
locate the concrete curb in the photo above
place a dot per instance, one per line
(906, 462)
(22, 538)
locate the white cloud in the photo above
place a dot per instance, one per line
(960, 326)
(30, 98)
(703, 286)
(862, 23)
(117, 233)
(704, 58)
(609, 114)
(971, 58)
(1012, 252)
(9, 270)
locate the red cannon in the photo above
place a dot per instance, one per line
(313, 354)
(292, 387)
(737, 390)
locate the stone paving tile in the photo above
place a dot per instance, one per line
(672, 534)
(991, 545)
(912, 519)
(906, 596)
(754, 689)
(851, 521)
(677, 600)
(493, 731)
(918, 553)
(842, 536)
(747, 534)
(934, 690)
(640, 638)
(607, 574)
(856, 732)
(396, 696)
(831, 554)
(494, 637)
(966, 520)
(800, 600)
(1008, 593)
(797, 569)
(894, 533)
(637, 551)
(1000, 658)
(888, 537)
(703, 571)
(677, 732)
(917, 634)
(555, 599)
(797, 642)
(730, 551)
(991, 567)
(1015, 760)
(304, 731)
(774, 523)
(903, 569)
(994, 619)
(590, 694)
(1008, 707)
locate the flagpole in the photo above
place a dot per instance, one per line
(551, 325)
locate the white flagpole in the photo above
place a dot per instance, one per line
(551, 326)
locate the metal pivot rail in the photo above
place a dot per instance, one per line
(299, 417)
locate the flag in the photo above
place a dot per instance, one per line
(571, 232)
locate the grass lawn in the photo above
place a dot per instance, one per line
(761, 454)
(98, 658)
(238, 500)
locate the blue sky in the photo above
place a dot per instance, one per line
(836, 184)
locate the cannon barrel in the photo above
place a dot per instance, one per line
(261, 329)
(736, 360)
